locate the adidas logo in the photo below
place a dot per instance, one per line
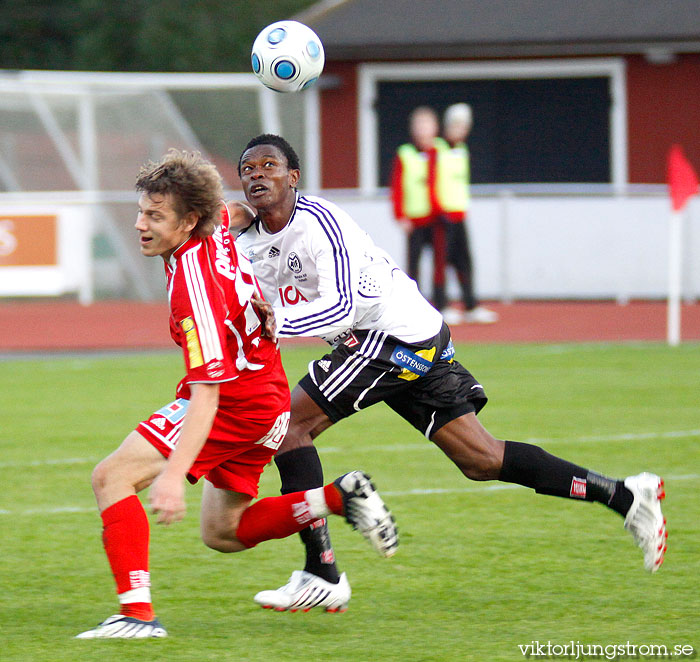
(274, 252)
(159, 423)
(324, 365)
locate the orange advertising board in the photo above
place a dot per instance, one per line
(28, 241)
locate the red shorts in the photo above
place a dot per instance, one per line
(236, 451)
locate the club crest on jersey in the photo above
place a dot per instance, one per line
(413, 364)
(215, 369)
(294, 263)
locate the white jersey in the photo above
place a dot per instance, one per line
(325, 276)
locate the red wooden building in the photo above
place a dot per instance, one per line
(591, 91)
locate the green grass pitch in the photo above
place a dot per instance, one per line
(480, 571)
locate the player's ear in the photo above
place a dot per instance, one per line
(294, 176)
(190, 220)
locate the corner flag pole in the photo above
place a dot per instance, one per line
(673, 308)
(682, 184)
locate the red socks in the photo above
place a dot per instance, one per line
(125, 536)
(279, 517)
(334, 500)
(126, 533)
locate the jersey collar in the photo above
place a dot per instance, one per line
(260, 226)
(182, 248)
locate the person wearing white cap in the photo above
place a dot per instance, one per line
(451, 242)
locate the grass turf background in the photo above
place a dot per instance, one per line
(482, 567)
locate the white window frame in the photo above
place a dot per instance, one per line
(370, 75)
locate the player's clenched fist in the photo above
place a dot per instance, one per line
(266, 315)
(167, 499)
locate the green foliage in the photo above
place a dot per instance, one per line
(135, 35)
(479, 571)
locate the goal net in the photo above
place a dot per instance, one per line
(81, 137)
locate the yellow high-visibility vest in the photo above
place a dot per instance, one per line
(414, 181)
(452, 179)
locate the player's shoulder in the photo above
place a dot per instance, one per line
(190, 251)
(192, 265)
(248, 235)
(253, 228)
(314, 208)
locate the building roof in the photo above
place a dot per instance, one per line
(415, 29)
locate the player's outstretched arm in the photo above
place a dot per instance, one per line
(240, 215)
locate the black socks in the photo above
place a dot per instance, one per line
(533, 467)
(300, 470)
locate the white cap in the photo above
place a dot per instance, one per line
(458, 113)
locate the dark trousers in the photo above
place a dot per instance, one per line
(450, 244)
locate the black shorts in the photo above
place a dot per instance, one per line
(420, 381)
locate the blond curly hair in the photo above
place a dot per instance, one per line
(194, 183)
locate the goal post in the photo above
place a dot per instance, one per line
(88, 133)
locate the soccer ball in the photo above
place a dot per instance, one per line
(287, 56)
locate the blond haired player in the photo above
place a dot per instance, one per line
(231, 411)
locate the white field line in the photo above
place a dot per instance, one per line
(428, 491)
(644, 436)
(48, 463)
(61, 510)
(632, 436)
(501, 486)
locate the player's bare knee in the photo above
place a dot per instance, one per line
(478, 472)
(477, 454)
(100, 477)
(306, 422)
(477, 457)
(217, 544)
(221, 541)
(297, 436)
(212, 539)
(303, 432)
(484, 463)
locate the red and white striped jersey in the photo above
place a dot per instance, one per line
(210, 285)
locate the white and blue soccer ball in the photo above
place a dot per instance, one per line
(287, 56)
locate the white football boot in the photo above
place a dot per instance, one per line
(366, 512)
(452, 316)
(125, 627)
(645, 520)
(304, 591)
(480, 315)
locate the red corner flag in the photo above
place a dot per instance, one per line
(682, 180)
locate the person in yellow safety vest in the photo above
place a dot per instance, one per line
(450, 238)
(413, 191)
